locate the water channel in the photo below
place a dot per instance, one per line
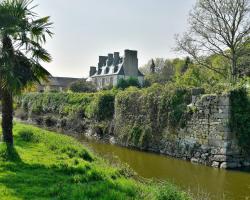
(232, 184)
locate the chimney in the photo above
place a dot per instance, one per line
(116, 58)
(110, 59)
(130, 64)
(102, 61)
(92, 71)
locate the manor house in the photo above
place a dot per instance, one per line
(113, 67)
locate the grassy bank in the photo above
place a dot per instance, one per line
(46, 165)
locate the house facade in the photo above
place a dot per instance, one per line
(113, 67)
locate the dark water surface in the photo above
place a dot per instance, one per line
(234, 185)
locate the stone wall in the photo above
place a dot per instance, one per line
(201, 134)
(206, 138)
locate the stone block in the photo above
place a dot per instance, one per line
(229, 165)
(220, 158)
(215, 143)
(194, 160)
(216, 164)
(197, 155)
(205, 156)
(224, 100)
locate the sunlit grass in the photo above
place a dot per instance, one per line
(46, 165)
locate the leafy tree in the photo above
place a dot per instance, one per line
(218, 28)
(82, 86)
(22, 35)
(164, 70)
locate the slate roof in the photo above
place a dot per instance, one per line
(60, 81)
(112, 70)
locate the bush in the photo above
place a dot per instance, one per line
(102, 106)
(82, 86)
(98, 106)
(123, 84)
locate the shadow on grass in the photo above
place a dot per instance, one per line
(9, 153)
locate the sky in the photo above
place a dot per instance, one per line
(86, 29)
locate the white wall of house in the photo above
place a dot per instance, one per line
(105, 81)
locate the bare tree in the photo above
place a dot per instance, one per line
(217, 27)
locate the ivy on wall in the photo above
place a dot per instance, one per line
(141, 115)
(240, 118)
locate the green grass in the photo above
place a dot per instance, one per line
(46, 165)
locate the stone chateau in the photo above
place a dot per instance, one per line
(113, 67)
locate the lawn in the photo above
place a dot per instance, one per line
(45, 165)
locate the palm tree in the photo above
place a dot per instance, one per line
(22, 34)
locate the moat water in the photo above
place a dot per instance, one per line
(219, 184)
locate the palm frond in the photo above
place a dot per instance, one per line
(26, 33)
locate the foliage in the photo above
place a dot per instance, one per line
(99, 106)
(197, 76)
(169, 192)
(142, 115)
(122, 84)
(22, 36)
(58, 167)
(218, 28)
(165, 70)
(82, 86)
(102, 106)
(240, 101)
(152, 67)
(125, 83)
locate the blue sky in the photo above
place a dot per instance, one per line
(85, 29)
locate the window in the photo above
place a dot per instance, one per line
(111, 80)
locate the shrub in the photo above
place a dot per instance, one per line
(67, 105)
(102, 106)
(82, 86)
(125, 83)
(122, 84)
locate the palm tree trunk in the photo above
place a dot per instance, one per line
(7, 116)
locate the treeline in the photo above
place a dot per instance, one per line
(186, 72)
